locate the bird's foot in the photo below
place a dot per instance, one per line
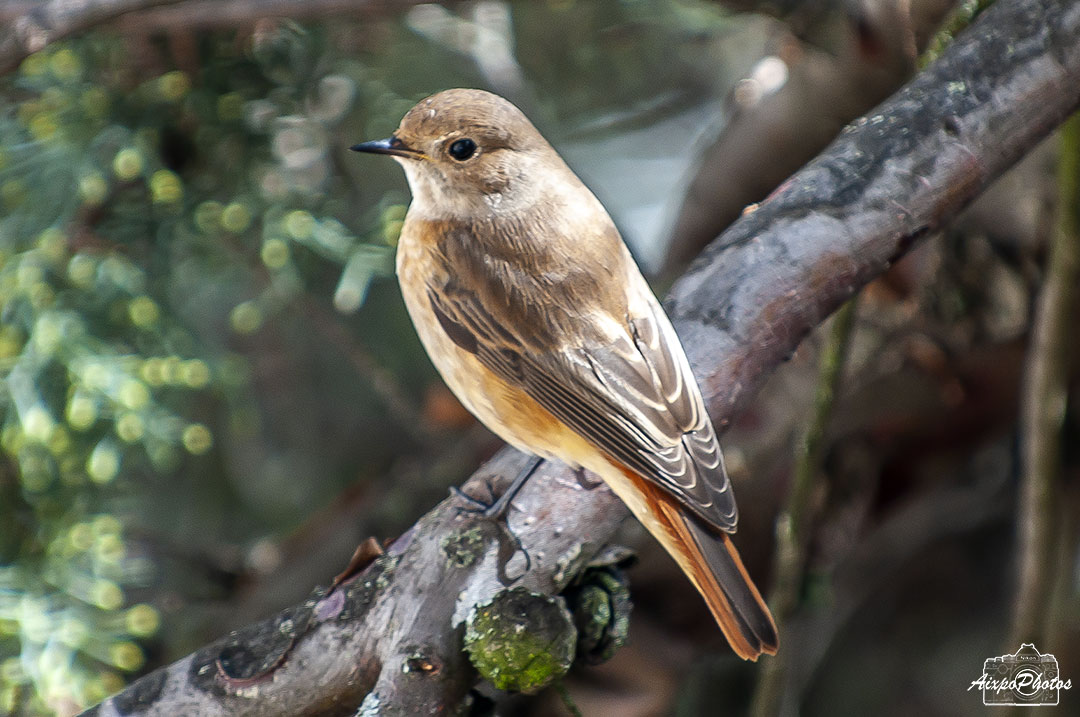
(496, 509)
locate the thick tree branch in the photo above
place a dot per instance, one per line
(893, 176)
(391, 639)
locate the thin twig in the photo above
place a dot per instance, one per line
(567, 700)
(1044, 400)
(221, 14)
(793, 527)
(29, 25)
(32, 26)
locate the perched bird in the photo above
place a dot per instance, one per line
(538, 319)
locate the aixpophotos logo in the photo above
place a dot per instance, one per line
(1025, 678)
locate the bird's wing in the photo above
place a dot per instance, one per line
(626, 387)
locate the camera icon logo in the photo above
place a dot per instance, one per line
(1025, 678)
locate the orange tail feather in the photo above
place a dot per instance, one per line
(712, 563)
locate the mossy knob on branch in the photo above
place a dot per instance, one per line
(521, 641)
(601, 607)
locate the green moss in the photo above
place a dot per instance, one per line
(463, 547)
(521, 641)
(601, 607)
(592, 613)
(361, 593)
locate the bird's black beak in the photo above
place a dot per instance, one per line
(391, 145)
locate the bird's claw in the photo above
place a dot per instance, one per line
(496, 509)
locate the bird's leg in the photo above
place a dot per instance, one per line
(498, 508)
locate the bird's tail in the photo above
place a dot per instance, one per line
(712, 563)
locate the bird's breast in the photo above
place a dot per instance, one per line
(504, 408)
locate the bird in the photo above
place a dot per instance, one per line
(532, 309)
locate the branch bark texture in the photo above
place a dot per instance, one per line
(390, 640)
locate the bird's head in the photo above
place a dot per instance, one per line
(467, 151)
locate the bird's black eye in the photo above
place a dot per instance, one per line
(462, 149)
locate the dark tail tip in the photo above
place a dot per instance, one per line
(752, 615)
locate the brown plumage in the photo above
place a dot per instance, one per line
(530, 306)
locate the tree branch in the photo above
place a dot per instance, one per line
(391, 640)
(231, 13)
(31, 24)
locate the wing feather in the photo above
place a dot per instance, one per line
(628, 391)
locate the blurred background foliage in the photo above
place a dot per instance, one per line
(211, 392)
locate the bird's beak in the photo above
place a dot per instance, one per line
(391, 145)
